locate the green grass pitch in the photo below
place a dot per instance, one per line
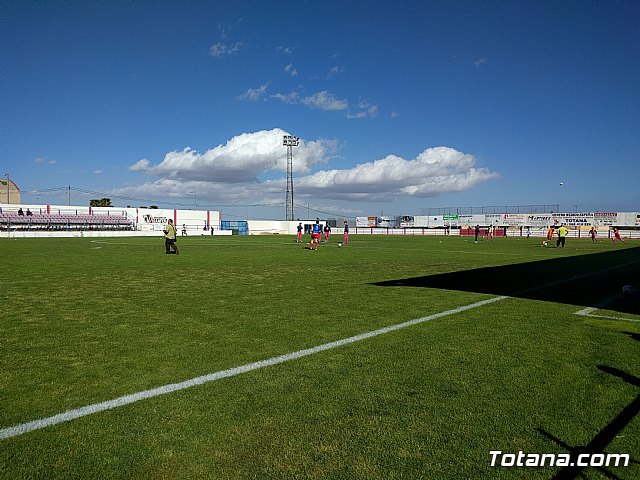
(86, 321)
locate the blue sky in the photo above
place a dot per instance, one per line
(400, 106)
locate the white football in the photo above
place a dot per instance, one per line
(339, 244)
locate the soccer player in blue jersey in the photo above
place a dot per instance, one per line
(315, 234)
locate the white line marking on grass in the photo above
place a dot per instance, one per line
(586, 311)
(214, 243)
(174, 387)
(610, 317)
(104, 242)
(601, 304)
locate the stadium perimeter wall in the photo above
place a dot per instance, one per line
(91, 233)
(151, 222)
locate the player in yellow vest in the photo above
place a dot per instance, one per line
(562, 234)
(170, 238)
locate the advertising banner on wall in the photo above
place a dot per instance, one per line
(542, 220)
(515, 218)
(366, 221)
(153, 218)
(428, 221)
(156, 218)
(583, 219)
(387, 222)
(605, 218)
(406, 221)
(628, 218)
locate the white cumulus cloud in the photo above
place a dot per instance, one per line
(250, 168)
(435, 171)
(140, 165)
(242, 159)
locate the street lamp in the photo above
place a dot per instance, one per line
(195, 202)
(289, 141)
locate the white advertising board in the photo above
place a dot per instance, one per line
(605, 218)
(366, 221)
(582, 219)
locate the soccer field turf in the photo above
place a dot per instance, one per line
(550, 363)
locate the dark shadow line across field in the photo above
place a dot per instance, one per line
(605, 436)
(562, 280)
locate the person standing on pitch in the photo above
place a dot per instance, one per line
(477, 232)
(594, 234)
(315, 234)
(346, 232)
(170, 238)
(562, 235)
(299, 234)
(327, 231)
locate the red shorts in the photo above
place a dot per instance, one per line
(315, 235)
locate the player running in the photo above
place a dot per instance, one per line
(616, 236)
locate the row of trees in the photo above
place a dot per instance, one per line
(106, 202)
(103, 202)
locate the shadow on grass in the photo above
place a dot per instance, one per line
(604, 437)
(585, 280)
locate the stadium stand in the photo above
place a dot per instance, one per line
(44, 221)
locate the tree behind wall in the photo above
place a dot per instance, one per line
(103, 202)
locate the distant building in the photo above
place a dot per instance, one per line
(9, 191)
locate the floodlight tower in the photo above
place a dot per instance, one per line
(290, 141)
(8, 182)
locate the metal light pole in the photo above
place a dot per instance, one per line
(7, 175)
(195, 201)
(290, 141)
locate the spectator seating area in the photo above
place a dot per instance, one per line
(62, 221)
